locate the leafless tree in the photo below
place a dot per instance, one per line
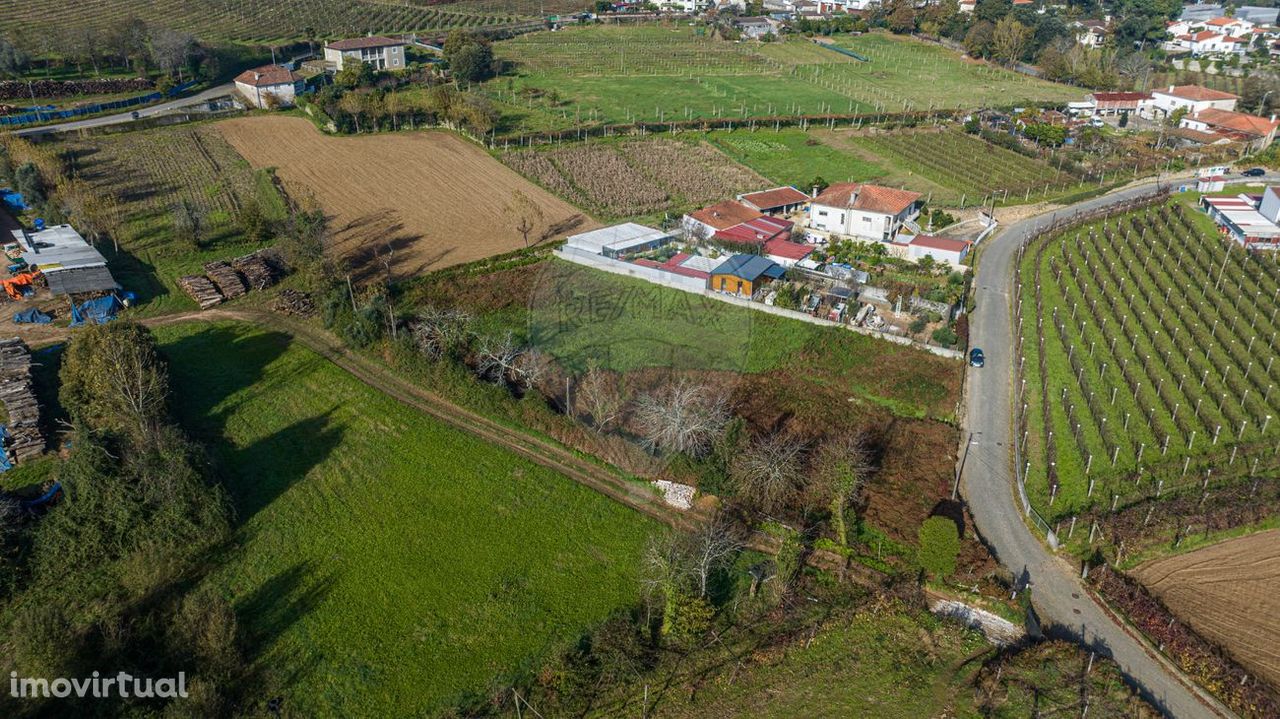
(437, 332)
(768, 471)
(532, 366)
(133, 371)
(685, 417)
(170, 48)
(710, 549)
(665, 566)
(842, 467)
(526, 214)
(602, 396)
(497, 357)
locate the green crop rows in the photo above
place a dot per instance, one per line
(1148, 354)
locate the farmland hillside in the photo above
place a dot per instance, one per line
(431, 199)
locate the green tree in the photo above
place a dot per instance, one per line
(470, 56)
(113, 382)
(978, 40)
(354, 74)
(1009, 39)
(939, 546)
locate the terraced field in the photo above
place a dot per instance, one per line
(242, 20)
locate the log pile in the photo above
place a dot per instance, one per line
(256, 270)
(295, 303)
(19, 398)
(200, 289)
(226, 278)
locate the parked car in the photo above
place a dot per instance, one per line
(1254, 172)
(976, 358)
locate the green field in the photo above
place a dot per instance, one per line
(1151, 374)
(794, 157)
(149, 172)
(385, 564)
(612, 75)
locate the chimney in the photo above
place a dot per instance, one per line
(1171, 88)
(815, 191)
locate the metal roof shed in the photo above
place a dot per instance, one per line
(68, 262)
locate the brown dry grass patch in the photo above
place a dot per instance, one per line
(433, 198)
(1230, 594)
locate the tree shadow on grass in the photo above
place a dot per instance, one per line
(211, 366)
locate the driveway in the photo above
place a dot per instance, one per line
(988, 482)
(148, 111)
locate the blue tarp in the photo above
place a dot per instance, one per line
(5, 465)
(43, 499)
(12, 200)
(31, 316)
(95, 312)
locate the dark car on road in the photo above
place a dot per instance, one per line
(1254, 172)
(976, 358)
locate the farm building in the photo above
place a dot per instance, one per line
(755, 233)
(720, 216)
(269, 86)
(624, 239)
(1192, 98)
(1114, 103)
(383, 53)
(866, 212)
(683, 264)
(1211, 183)
(785, 252)
(778, 201)
(945, 250)
(742, 275)
(67, 261)
(1250, 220)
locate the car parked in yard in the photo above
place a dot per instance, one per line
(1254, 172)
(976, 358)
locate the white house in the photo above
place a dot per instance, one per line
(1234, 27)
(1193, 98)
(269, 86)
(946, 250)
(383, 53)
(1259, 132)
(1208, 42)
(1091, 33)
(866, 212)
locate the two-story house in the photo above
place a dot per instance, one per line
(866, 212)
(383, 53)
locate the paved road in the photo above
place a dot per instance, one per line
(148, 111)
(988, 481)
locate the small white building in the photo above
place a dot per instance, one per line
(1193, 98)
(619, 240)
(944, 250)
(383, 53)
(860, 211)
(269, 86)
(67, 261)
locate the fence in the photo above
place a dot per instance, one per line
(699, 287)
(1021, 433)
(47, 115)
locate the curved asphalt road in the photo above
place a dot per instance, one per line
(121, 118)
(988, 482)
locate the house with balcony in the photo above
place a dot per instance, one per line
(383, 53)
(870, 213)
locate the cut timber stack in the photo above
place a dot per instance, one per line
(201, 290)
(293, 302)
(19, 398)
(256, 270)
(226, 278)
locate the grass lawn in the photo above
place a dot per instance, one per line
(794, 157)
(385, 564)
(634, 73)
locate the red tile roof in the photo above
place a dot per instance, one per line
(1121, 96)
(777, 197)
(1221, 21)
(872, 198)
(934, 242)
(1195, 93)
(779, 247)
(724, 215)
(268, 75)
(756, 231)
(1236, 121)
(361, 43)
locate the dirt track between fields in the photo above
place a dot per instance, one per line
(425, 199)
(1227, 593)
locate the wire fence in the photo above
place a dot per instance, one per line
(72, 113)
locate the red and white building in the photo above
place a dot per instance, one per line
(785, 252)
(1258, 132)
(863, 212)
(945, 250)
(1249, 220)
(1192, 98)
(778, 201)
(269, 86)
(1115, 103)
(756, 232)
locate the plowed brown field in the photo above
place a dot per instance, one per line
(1230, 593)
(431, 198)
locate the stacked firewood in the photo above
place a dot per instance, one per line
(295, 303)
(226, 278)
(256, 270)
(19, 398)
(200, 289)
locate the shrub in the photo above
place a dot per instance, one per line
(939, 545)
(945, 336)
